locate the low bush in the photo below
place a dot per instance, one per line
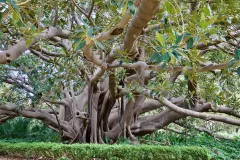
(113, 152)
(219, 149)
(22, 129)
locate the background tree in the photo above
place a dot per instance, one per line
(97, 70)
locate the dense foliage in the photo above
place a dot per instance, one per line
(219, 149)
(26, 130)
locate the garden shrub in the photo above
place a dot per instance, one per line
(113, 152)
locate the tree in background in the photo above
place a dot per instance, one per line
(97, 70)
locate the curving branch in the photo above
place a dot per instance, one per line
(38, 54)
(87, 15)
(204, 116)
(21, 84)
(50, 53)
(145, 12)
(88, 53)
(6, 115)
(226, 110)
(16, 50)
(206, 68)
(42, 115)
(205, 130)
(91, 9)
(232, 35)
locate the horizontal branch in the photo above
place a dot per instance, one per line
(210, 67)
(204, 116)
(28, 88)
(233, 34)
(226, 110)
(46, 117)
(49, 53)
(38, 54)
(205, 130)
(16, 50)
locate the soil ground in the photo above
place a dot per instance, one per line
(17, 158)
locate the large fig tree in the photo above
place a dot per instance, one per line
(98, 70)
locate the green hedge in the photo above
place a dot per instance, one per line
(89, 151)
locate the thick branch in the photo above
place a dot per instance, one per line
(204, 116)
(227, 110)
(16, 50)
(210, 67)
(38, 114)
(116, 30)
(143, 15)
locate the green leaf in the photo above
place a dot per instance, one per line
(159, 48)
(207, 10)
(212, 20)
(154, 56)
(203, 17)
(99, 45)
(237, 54)
(192, 93)
(163, 65)
(190, 43)
(131, 7)
(121, 62)
(90, 32)
(176, 54)
(185, 35)
(160, 39)
(210, 10)
(166, 57)
(196, 38)
(124, 7)
(28, 42)
(152, 93)
(174, 46)
(178, 38)
(203, 23)
(81, 45)
(170, 7)
(121, 3)
(13, 4)
(159, 59)
(15, 17)
(76, 40)
(238, 71)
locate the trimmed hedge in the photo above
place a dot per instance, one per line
(113, 152)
